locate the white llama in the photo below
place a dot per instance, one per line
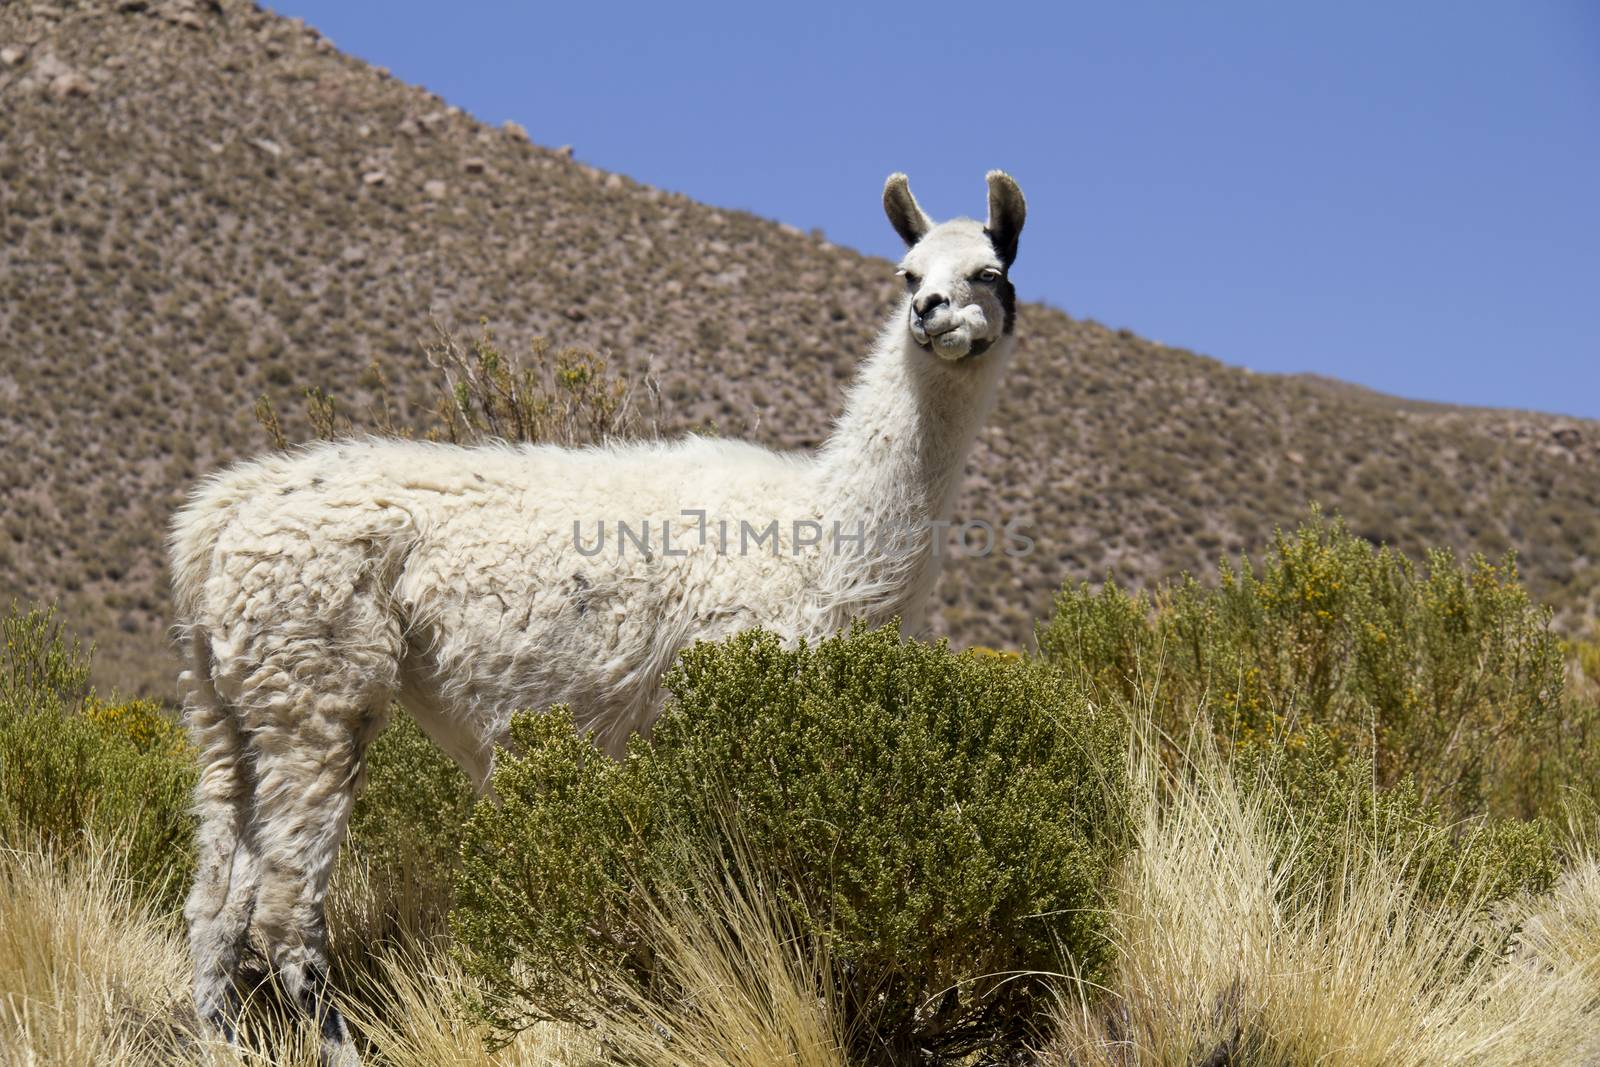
(318, 587)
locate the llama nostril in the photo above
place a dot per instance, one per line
(928, 302)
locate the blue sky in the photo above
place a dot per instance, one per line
(1401, 195)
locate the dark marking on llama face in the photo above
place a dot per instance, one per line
(1003, 288)
(1008, 303)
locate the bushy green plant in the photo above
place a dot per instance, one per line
(943, 823)
(43, 667)
(147, 725)
(407, 825)
(75, 769)
(1443, 672)
(1328, 806)
(1572, 762)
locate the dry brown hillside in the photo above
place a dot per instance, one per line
(200, 203)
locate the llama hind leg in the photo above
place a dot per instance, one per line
(307, 772)
(220, 901)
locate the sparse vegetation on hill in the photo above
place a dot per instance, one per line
(203, 203)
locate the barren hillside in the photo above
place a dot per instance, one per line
(201, 203)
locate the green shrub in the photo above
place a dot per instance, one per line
(1443, 672)
(407, 826)
(145, 724)
(43, 668)
(942, 824)
(1572, 762)
(1328, 806)
(74, 769)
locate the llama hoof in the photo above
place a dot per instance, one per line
(217, 1024)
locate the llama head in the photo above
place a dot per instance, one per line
(960, 300)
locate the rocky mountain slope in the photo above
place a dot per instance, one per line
(203, 202)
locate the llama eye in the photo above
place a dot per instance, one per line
(912, 281)
(989, 275)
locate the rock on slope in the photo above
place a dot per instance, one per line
(202, 202)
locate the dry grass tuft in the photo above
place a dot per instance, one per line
(1561, 932)
(1221, 962)
(90, 975)
(412, 1009)
(87, 974)
(751, 992)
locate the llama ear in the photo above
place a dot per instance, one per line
(1007, 210)
(905, 214)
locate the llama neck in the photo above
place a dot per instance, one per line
(893, 467)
